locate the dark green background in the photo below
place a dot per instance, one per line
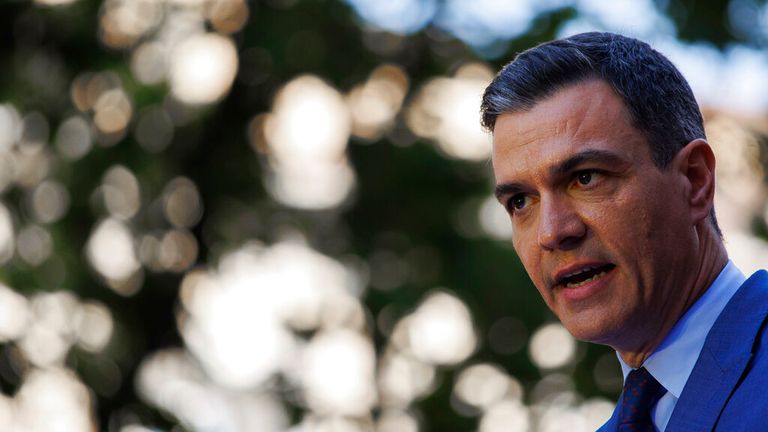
(406, 198)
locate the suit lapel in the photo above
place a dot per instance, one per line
(723, 358)
(705, 393)
(613, 423)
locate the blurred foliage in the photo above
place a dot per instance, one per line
(407, 198)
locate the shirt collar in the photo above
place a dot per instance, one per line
(673, 361)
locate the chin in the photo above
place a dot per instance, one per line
(591, 331)
(584, 335)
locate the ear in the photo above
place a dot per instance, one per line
(696, 163)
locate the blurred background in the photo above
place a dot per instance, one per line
(220, 215)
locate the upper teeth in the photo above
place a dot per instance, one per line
(580, 271)
(593, 277)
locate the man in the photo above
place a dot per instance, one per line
(600, 159)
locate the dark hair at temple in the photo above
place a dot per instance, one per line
(659, 100)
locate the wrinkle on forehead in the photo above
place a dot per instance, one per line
(536, 134)
(568, 120)
(573, 117)
(524, 133)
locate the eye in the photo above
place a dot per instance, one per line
(587, 179)
(584, 177)
(518, 201)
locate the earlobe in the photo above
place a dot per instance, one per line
(697, 165)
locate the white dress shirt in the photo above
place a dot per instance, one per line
(673, 361)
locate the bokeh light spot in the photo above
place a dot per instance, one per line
(121, 192)
(306, 136)
(399, 16)
(494, 220)
(10, 126)
(49, 336)
(113, 111)
(111, 252)
(482, 385)
(93, 326)
(506, 416)
(49, 201)
(552, 346)
(73, 138)
(149, 63)
(14, 314)
(440, 330)
(203, 68)
(182, 204)
(396, 421)
(54, 2)
(237, 319)
(34, 244)
(375, 103)
(339, 373)
(7, 235)
(446, 110)
(228, 16)
(123, 22)
(403, 378)
(53, 400)
(177, 250)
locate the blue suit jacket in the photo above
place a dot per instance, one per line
(728, 387)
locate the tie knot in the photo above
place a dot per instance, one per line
(641, 392)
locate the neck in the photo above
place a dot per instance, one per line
(710, 261)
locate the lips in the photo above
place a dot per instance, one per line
(579, 275)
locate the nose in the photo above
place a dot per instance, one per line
(560, 226)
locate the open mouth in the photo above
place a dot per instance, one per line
(584, 275)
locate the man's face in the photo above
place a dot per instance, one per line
(599, 228)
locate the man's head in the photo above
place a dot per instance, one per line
(657, 96)
(600, 161)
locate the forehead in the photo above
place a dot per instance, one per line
(584, 115)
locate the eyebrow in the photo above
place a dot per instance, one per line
(506, 189)
(589, 155)
(566, 166)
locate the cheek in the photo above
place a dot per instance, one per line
(524, 235)
(628, 230)
(524, 248)
(620, 220)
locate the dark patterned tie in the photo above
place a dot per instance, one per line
(641, 392)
